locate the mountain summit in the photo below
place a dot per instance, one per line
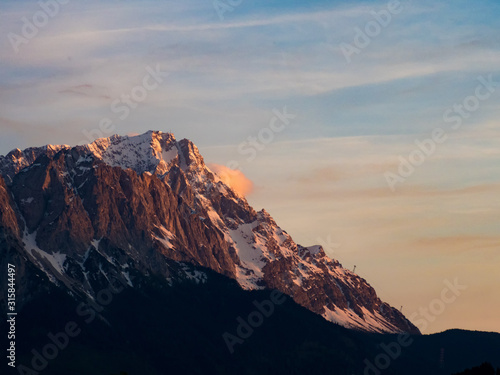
(148, 205)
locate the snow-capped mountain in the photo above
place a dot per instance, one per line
(148, 204)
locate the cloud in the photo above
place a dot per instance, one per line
(340, 172)
(405, 192)
(87, 90)
(233, 178)
(460, 243)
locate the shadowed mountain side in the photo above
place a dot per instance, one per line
(160, 329)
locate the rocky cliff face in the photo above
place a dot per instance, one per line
(148, 204)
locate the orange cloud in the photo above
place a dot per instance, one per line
(235, 179)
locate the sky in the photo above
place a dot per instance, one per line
(368, 127)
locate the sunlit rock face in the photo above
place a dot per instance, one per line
(148, 204)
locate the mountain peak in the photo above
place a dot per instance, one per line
(154, 152)
(18, 159)
(151, 152)
(136, 203)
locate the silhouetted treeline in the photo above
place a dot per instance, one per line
(484, 369)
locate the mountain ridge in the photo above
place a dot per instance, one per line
(124, 205)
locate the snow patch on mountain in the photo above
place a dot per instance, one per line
(42, 258)
(372, 322)
(166, 237)
(141, 153)
(251, 255)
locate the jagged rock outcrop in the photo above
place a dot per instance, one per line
(149, 204)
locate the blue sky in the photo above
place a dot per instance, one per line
(323, 176)
(262, 55)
